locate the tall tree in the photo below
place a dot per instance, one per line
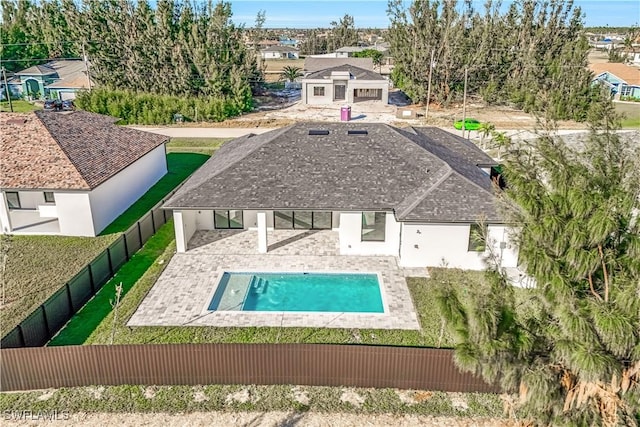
(571, 346)
(343, 33)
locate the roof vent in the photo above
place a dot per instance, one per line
(357, 132)
(318, 132)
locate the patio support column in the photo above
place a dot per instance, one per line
(178, 225)
(262, 232)
(5, 218)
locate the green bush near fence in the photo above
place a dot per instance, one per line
(94, 312)
(180, 166)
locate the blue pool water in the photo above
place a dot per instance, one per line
(326, 292)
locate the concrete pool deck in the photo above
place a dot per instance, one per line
(182, 294)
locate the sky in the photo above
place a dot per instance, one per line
(372, 13)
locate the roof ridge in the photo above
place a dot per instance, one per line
(422, 193)
(44, 124)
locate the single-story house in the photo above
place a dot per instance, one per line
(349, 51)
(418, 194)
(344, 83)
(72, 173)
(622, 79)
(60, 79)
(279, 52)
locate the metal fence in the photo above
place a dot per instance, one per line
(44, 322)
(192, 364)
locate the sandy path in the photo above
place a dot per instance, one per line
(262, 419)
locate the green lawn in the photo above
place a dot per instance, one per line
(195, 145)
(19, 106)
(205, 398)
(631, 123)
(142, 263)
(37, 266)
(180, 166)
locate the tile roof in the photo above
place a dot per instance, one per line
(37, 70)
(412, 172)
(67, 150)
(356, 73)
(629, 74)
(311, 65)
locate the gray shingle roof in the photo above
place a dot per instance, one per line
(356, 73)
(382, 170)
(311, 64)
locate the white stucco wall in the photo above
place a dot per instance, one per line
(251, 219)
(184, 225)
(435, 245)
(114, 196)
(350, 233)
(307, 92)
(30, 199)
(75, 214)
(5, 220)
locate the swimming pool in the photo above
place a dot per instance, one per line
(298, 292)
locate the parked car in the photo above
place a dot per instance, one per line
(68, 105)
(469, 124)
(52, 105)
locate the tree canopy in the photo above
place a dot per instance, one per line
(534, 55)
(571, 346)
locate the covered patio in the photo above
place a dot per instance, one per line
(29, 221)
(182, 294)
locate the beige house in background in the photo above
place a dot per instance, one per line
(345, 84)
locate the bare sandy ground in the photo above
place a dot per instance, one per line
(262, 419)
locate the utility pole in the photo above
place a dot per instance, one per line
(6, 88)
(86, 67)
(426, 112)
(464, 102)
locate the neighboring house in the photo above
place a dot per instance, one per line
(621, 79)
(348, 51)
(54, 80)
(279, 52)
(414, 193)
(344, 83)
(318, 63)
(72, 173)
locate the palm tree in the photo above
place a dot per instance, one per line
(485, 129)
(290, 73)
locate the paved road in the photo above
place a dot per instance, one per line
(180, 132)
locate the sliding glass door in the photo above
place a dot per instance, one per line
(302, 220)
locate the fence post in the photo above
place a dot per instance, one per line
(153, 222)
(21, 335)
(46, 321)
(93, 286)
(69, 298)
(139, 234)
(110, 262)
(126, 246)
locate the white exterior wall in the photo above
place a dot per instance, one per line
(5, 220)
(75, 214)
(250, 219)
(307, 92)
(500, 237)
(30, 199)
(184, 225)
(368, 84)
(114, 196)
(435, 245)
(350, 233)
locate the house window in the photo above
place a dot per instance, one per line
(301, 220)
(13, 200)
(318, 91)
(227, 220)
(373, 226)
(48, 197)
(477, 235)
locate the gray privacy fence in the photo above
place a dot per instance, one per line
(193, 364)
(44, 322)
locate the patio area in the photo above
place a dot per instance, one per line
(182, 294)
(27, 221)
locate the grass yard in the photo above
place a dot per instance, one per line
(205, 398)
(142, 263)
(37, 266)
(19, 106)
(631, 123)
(180, 166)
(195, 145)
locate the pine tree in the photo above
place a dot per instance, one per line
(571, 346)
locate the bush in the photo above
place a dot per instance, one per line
(150, 109)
